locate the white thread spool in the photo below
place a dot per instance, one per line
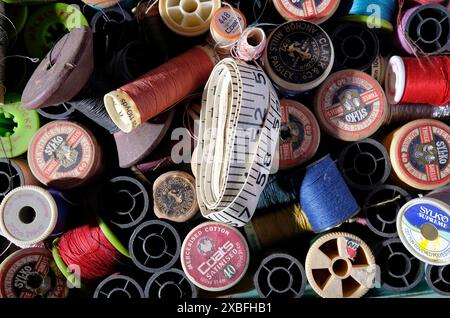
(250, 45)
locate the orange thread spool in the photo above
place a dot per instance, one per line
(159, 89)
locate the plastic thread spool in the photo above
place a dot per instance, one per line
(47, 24)
(427, 30)
(17, 128)
(214, 256)
(227, 25)
(299, 134)
(30, 214)
(423, 227)
(119, 287)
(175, 196)
(171, 284)
(63, 72)
(356, 46)
(154, 246)
(400, 271)
(59, 112)
(128, 202)
(18, 16)
(438, 278)
(109, 18)
(188, 17)
(280, 275)
(317, 11)
(133, 147)
(13, 174)
(64, 155)
(419, 154)
(298, 57)
(31, 273)
(365, 164)
(381, 207)
(350, 105)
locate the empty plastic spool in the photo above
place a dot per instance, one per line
(356, 46)
(438, 278)
(171, 284)
(127, 202)
(280, 275)
(400, 271)
(365, 164)
(59, 112)
(381, 207)
(154, 246)
(119, 286)
(108, 19)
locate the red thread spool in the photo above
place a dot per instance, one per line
(418, 80)
(159, 89)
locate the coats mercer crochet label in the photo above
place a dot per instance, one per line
(31, 273)
(412, 223)
(214, 256)
(307, 9)
(423, 151)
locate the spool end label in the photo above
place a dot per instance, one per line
(228, 22)
(122, 110)
(214, 256)
(307, 9)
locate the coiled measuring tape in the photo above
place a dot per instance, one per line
(238, 134)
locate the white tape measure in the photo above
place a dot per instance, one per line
(238, 134)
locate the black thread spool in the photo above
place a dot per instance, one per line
(127, 202)
(400, 271)
(438, 278)
(59, 112)
(280, 276)
(119, 287)
(365, 164)
(381, 207)
(278, 191)
(170, 284)
(154, 246)
(428, 28)
(356, 46)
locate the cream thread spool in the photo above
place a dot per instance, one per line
(227, 25)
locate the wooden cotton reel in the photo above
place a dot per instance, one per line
(340, 265)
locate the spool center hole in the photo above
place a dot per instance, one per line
(285, 133)
(429, 231)
(353, 47)
(189, 6)
(340, 267)
(34, 280)
(27, 214)
(4, 183)
(445, 274)
(365, 164)
(119, 294)
(155, 245)
(398, 265)
(7, 124)
(280, 279)
(170, 291)
(254, 39)
(123, 201)
(431, 30)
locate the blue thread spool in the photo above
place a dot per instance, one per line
(366, 11)
(325, 197)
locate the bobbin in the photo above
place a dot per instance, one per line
(63, 72)
(154, 246)
(355, 46)
(171, 284)
(427, 29)
(438, 279)
(188, 17)
(28, 215)
(175, 197)
(299, 134)
(305, 64)
(59, 112)
(31, 273)
(133, 147)
(313, 11)
(13, 174)
(47, 24)
(350, 105)
(419, 154)
(119, 287)
(127, 202)
(214, 256)
(17, 128)
(64, 155)
(365, 164)
(399, 270)
(280, 275)
(340, 265)
(381, 207)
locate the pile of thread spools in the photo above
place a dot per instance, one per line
(205, 148)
